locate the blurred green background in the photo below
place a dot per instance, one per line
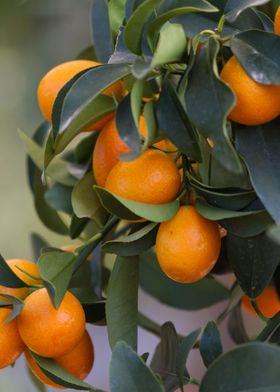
(35, 35)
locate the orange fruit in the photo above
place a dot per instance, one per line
(255, 103)
(57, 77)
(188, 245)
(109, 146)
(47, 331)
(10, 341)
(268, 302)
(277, 22)
(24, 265)
(77, 362)
(152, 178)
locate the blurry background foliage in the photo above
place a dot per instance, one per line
(35, 35)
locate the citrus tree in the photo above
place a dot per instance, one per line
(159, 155)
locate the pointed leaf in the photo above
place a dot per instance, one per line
(128, 372)
(7, 277)
(122, 302)
(210, 345)
(234, 7)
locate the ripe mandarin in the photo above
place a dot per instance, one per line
(47, 331)
(255, 103)
(277, 22)
(188, 245)
(77, 362)
(109, 146)
(16, 266)
(268, 302)
(152, 178)
(57, 77)
(10, 341)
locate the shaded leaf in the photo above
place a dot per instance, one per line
(121, 305)
(240, 374)
(7, 277)
(132, 210)
(210, 345)
(254, 261)
(100, 29)
(236, 326)
(58, 197)
(192, 296)
(235, 7)
(128, 372)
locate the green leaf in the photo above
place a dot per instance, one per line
(58, 197)
(254, 261)
(100, 29)
(48, 216)
(61, 376)
(127, 128)
(208, 107)
(91, 112)
(235, 326)
(133, 32)
(58, 170)
(134, 243)
(235, 7)
(193, 296)
(182, 355)
(7, 277)
(136, 100)
(37, 243)
(132, 210)
(170, 9)
(84, 149)
(240, 374)
(164, 358)
(88, 87)
(17, 306)
(128, 372)
(210, 345)
(174, 123)
(121, 53)
(263, 162)
(116, 15)
(259, 54)
(85, 295)
(56, 270)
(171, 45)
(85, 201)
(122, 305)
(77, 226)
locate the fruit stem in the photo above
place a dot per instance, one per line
(221, 24)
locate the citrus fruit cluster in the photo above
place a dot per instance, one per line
(41, 329)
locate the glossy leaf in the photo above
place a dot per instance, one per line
(100, 29)
(262, 162)
(208, 107)
(128, 372)
(121, 305)
(192, 296)
(56, 270)
(171, 45)
(235, 7)
(61, 376)
(7, 277)
(15, 303)
(121, 53)
(184, 350)
(164, 358)
(127, 128)
(259, 54)
(170, 9)
(241, 375)
(87, 88)
(254, 261)
(58, 197)
(57, 170)
(116, 15)
(174, 123)
(85, 201)
(210, 345)
(134, 243)
(132, 210)
(135, 25)
(48, 216)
